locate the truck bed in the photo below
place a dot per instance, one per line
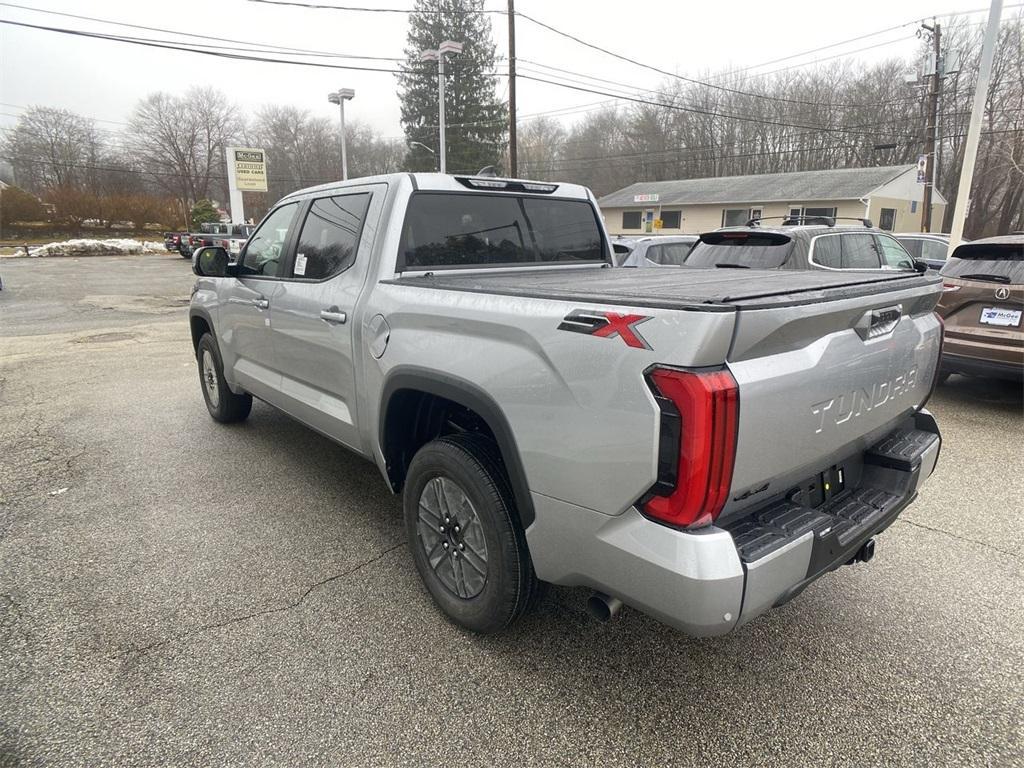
(676, 288)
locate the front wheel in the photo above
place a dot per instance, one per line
(464, 535)
(223, 404)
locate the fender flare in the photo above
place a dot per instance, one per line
(203, 315)
(471, 396)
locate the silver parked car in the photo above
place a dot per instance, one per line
(930, 247)
(653, 251)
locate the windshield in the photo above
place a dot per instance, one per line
(998, 262)
(452, 230)
(756, 250)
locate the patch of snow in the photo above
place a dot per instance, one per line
(114, 247)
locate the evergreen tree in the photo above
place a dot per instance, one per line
(475, 120)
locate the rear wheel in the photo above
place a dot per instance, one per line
(464, 535)
(223, 404)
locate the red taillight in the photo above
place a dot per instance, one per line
(707, 404)
(950, 287)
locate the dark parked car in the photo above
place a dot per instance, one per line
(799, 245)
(653, 251)
(930, 247)
(982, 306)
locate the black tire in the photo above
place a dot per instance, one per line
(510, 587)
(223, 404)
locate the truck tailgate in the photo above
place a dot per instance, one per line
(821, 382)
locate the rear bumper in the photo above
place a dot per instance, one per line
(982, 366)
(712, 580)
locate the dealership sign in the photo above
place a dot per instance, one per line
(650, 198)
(250, 167)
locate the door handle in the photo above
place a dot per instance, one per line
(260, 303)
(333, 316)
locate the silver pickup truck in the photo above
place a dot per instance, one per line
(698, 444)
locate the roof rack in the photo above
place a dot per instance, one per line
(793, 221)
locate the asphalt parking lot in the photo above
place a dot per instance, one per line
(175, 592)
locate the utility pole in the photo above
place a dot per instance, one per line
(963, 194)
(513, 138)
(932, 128)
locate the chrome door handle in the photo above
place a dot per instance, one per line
(333, 316)
(260, 303)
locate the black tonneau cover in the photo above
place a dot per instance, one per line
(676, 288)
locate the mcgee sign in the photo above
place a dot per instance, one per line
(250, 166)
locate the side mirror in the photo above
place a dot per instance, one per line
(210, 261)
(920, 266)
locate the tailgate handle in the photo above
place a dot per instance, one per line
(879, 322)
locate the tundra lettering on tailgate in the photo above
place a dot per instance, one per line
(842, 408)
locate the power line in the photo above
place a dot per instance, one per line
(152, 43)
(363, 9)
(177, 46)
(673, 74)
(193, 36)
(695, 110)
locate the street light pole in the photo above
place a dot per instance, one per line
(963, 194)
(340, 97)
(448, 46)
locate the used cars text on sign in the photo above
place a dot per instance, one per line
(250, 167)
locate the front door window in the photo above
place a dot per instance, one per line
(264, 252)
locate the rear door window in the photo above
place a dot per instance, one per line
(913, 245)
(933, 249)
(330, 236)
(859, 252)
(669, 254)
(827, 252)
(756, 250)
(452, 230)
(993, 262)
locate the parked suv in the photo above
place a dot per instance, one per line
(982, 306)
(821, 244)
(698, 444)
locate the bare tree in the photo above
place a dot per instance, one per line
(52, 147)
(179, 142)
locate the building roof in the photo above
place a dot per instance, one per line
(829, 184)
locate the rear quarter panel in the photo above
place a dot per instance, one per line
(583, 419)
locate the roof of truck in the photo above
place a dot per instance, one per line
(445, 182)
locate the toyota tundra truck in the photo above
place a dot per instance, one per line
(697, 444)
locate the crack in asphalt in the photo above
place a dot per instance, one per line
(256, 614)
(958, 537)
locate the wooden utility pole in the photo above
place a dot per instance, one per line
(932, 129)
(513, 139)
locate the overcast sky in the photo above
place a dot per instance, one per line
(104, 79)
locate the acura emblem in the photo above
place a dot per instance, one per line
(1002, 293)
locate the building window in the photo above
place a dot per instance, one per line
(631, 219)
(735, 217)
(671, 219)
(756, 213)
(887, 219)
(796, 212)
(829, 212)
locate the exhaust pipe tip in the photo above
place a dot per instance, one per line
(603, 607)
